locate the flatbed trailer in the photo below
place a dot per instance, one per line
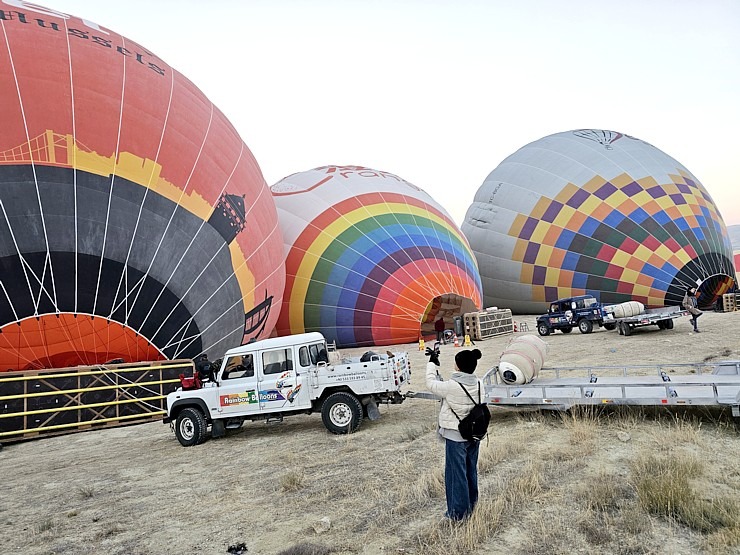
(561, 388)
(661, 317)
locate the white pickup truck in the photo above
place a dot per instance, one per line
(273, 378)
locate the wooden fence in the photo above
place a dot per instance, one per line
(38, 403)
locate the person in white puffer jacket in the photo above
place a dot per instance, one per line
(461, 456)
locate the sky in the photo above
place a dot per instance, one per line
(440, 92)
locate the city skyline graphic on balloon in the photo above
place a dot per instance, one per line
(596, 212)
(135, 222)
(370, 258)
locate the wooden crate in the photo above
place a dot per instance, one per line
(488, 323)
(730, 302)
(37, 403)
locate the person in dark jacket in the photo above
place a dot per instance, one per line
(691, 304)
(461, 456)
(439, 327)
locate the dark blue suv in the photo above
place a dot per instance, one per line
(583, 312)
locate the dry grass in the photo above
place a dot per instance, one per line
(86, 491)
(582, 423)
(664, 488)
(46, 525)
(292, 480)
(307, 549)
(603, 492)
(446, 536)
(550, 483)
(413, 432)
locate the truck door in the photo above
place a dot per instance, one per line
(238, 388)
(282, 387)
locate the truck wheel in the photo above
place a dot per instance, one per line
(669, 324)
(542, 329)
(190, 427)
(567, 330)
(585, 326)
(341, 413)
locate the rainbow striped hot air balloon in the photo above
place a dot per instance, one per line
(371, 258)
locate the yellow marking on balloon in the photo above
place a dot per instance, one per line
(538, 235)
(590, 204)
(629, 276)
(244, 276)
(664, 252)
(616, 198)
(621, 180)
(552, 277)
(621, 258)
(643, 253)
(543, 255)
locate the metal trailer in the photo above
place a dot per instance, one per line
(667, 385)
(661, 317)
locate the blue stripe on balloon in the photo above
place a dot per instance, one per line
(564, 240)
(639, 215)
(662, 218)
(589, 226)
(614, 218)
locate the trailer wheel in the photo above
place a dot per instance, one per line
(585, 326)
(610, 326)
(567, 330)
(190, 427)
(627, 329)
(661, 324)
(619, 328)
(542, 329)
(669, 324)
(341, 413)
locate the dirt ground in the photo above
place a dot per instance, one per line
(293, 487)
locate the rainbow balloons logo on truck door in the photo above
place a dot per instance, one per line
(134, 223)
(370, 257)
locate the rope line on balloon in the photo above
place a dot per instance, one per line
(112, 179)
(172, 215)
(47, 259)
(128, 310)
(192, 241)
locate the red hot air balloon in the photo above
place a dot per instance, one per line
(134, 221)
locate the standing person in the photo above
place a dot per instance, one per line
(692, 305)
(461, 456)
(439, 327)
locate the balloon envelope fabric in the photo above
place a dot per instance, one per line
(135, 222)
(596, 212)
(370, 258)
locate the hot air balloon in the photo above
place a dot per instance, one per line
(596, 212)
(136, 224)
(370, 258)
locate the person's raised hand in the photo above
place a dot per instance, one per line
(433, 355)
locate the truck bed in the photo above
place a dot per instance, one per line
(652, 315)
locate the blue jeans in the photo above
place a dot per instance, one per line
(461, 477)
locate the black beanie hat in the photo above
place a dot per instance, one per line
(467, 360)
